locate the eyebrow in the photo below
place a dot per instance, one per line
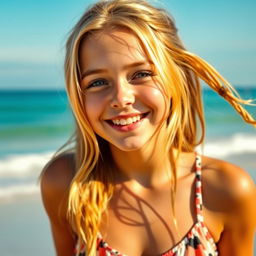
(101, 70)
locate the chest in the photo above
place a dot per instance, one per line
(138, 224)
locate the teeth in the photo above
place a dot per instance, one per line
(127, 121)
(122, 122)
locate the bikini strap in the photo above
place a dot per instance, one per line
(198, 194)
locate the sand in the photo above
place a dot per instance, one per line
(24, 228)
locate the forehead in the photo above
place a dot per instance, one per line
(120, 45)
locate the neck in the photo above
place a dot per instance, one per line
(149, 166)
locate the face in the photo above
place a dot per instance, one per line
(123, 99)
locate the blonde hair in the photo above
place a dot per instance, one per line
(179, 72)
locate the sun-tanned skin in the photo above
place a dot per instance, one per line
(228, 200)
(140, 208)
(55, 183)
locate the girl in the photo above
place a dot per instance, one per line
(133, 184)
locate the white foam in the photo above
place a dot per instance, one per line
(13, 191)
(23, 166)
(19, 174)
(236, 144)
(28, 166)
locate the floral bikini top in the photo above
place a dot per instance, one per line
(197, 242)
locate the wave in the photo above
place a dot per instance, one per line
(19, 173)
(13, 191)
(24, 165)
(234, 145)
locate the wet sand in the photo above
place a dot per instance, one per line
(24, 227)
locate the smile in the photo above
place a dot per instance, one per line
(127, 123)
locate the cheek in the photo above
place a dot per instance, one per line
(92, 109)
(156, 99)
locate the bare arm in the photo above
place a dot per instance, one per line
(240, 221)
(55, 183)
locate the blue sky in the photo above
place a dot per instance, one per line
(33, 34)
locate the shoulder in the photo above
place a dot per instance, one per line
(58, 173)
(55, 181)
(229, 189)
(59, 170)
(56, 178)
(228, 178)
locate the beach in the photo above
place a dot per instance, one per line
(34, 124)
(25, 228)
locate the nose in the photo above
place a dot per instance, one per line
(123, 95)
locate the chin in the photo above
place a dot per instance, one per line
(128, 146)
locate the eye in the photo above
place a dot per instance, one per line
(97, 83)
(142, 74)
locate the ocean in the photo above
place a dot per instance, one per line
(34, 124)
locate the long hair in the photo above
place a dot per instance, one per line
(179, 71)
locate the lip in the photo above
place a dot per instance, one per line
(128, 127)
(127, 116)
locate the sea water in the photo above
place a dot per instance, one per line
(34, 124)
